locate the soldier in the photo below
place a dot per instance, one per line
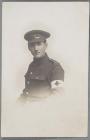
(44, 75)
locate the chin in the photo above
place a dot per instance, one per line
(37, 56)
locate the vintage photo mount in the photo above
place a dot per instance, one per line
(41, 138)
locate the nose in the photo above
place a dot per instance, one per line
(36, 47)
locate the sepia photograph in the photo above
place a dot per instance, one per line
(44, 90)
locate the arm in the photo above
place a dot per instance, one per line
(57, 79)
(27, 83)
(57, 86)
(26, 89)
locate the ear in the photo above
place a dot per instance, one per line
(29, 48)
(46, 44)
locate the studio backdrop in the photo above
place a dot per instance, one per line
(64, 115)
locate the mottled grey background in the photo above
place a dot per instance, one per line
(0, 85)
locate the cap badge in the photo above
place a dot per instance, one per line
(36, 36)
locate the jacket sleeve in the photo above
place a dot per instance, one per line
(57, 73)
(57, 77)
(27, 80)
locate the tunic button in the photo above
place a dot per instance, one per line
(31, 72)
(26, 93)
(28, 82)
(37, 77)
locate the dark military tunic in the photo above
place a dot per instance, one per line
(41, 72)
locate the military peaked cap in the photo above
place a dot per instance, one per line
(36, 36)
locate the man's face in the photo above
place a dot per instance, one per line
(37, 49)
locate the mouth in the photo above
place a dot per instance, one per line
(37, 53)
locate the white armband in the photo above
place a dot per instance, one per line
(57, 84)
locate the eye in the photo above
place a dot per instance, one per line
(31, 44)
(38, 43)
